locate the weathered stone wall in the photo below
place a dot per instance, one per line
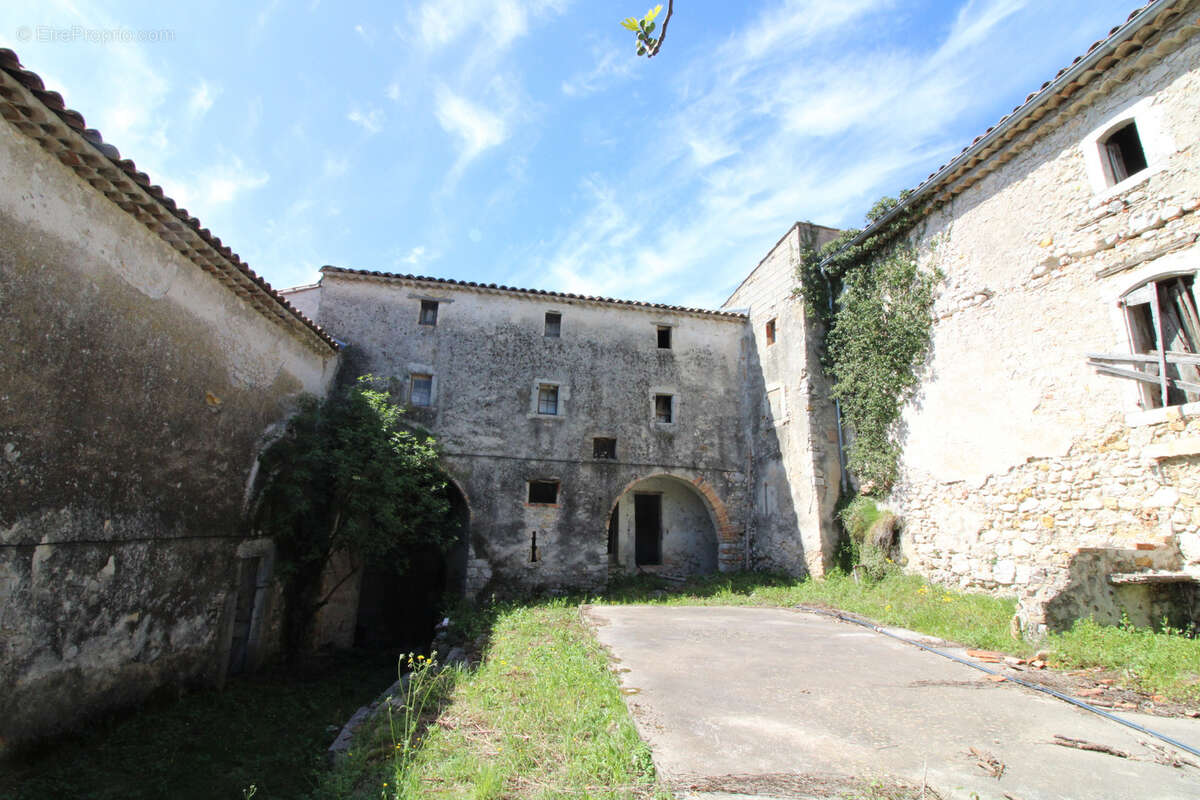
(791, 420)
(1016, 452)
(134, 393)
(488, 353)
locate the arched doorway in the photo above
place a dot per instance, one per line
(662, 524)
(401, 610)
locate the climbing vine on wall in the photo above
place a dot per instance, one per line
(876, 334)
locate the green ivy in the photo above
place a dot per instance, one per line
(876, 333)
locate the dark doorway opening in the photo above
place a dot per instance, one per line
(614, 534)
(401, 609)
(647, 529)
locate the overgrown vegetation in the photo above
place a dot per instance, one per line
(347, 477)
(269, 730)
(870, 537)
(875, 305)
(541, 717)
(1166, 662)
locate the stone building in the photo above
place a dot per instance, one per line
(142, 365)
(584, 434)
(1053, 450)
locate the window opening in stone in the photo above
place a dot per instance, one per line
(647, 529)
(543, 492)
(1164, 338)
(553, 324)
(604, 448)
(770, 332)
(614, 531)
(533, 550)
(429, 309)
(1123, 153)
(664, 337)
(662, 408)
(421, 390)
(548, 399)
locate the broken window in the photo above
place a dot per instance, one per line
(543, 492)
(664, 337)
(1164, 336)
(770, 332)
(420, 391)
(547, 399)
(553, 324)
(604, 448)
(429, 310)
(663, 408)
(1122, 153)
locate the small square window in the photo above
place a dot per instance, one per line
(429, 309)
(663, 408)
(664, 337)
(770, 332)
(543, 492)
(553, 325)
(547, 399)
(1122, 153)
(604, 448)
(420, 390)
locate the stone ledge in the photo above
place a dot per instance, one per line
(1180, 447)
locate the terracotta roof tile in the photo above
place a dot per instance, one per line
(542, 292)
(962, 163)
(80, 155)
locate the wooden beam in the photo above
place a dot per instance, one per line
(1144, 377)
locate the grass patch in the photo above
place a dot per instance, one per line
(907, 601)
(269, 730)
(1165, 663)
(541, 717)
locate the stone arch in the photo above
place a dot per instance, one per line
(691, 551)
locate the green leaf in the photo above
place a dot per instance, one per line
(630, 23)
(652, 13)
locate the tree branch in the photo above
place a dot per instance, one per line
(663, 35)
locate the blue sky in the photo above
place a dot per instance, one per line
(522, 142)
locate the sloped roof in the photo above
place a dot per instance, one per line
(492, 287)
(44, 117)
(1076, 83)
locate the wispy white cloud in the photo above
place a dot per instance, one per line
(335, 166)
(499, 21)
(202, 98)
(476, 128)
(612, 65)
(393, 91)
(370, 120)
(782, 121)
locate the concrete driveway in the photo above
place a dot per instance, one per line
(778, 703)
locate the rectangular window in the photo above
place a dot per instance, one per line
(547, 399)
(770, 332)
(420, 390)
(664, 337)
(663, 408)
(543, 492)
(1123, 153)
(1162, 313)
(604, 448)
(429, 310)
(553, 324)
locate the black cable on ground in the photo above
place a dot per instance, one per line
(1037, 687)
